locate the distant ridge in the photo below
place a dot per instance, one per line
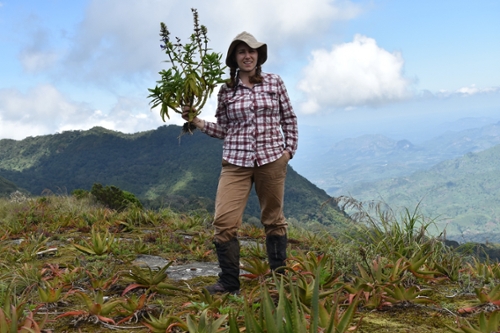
(6, 187)
(157, 166)
(375, 157)
(463, 195)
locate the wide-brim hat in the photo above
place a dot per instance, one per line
(250, 40)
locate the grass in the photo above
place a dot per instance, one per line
(66, 265)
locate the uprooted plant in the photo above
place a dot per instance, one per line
(192, 77)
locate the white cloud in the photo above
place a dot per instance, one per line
(115, 41)
(282, 21)
(115, 50)
(353, 74)
(37, 55)
(121, 40)
(45, 110)
(41, 110)
(464, 92)
(473, 90)
(35, 61)
(38, 104)
(128, 115)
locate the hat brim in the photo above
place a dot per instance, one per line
(260, 47)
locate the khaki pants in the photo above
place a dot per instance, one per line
(235, 183)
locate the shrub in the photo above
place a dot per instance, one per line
(80, 193)
(113, 197)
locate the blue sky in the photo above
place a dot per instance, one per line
(69, 65)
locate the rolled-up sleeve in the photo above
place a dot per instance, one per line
(219, 129)
(288, 120)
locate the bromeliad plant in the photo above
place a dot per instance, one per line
(205, 324)
(152, 281)
(99, 281)
(98, 308)
(135, 308)
(14, 318)
(310, 262)
(99, 244)
(486, 324)
(164, 322)
(290, 314)
(482, 270)
(397, 294)
(370, 282)
(50, 293)
(192, 77)
(256, 268)
(202, 300)
(484, 297)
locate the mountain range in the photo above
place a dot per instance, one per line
(347, 163)
(461, 195)
(159, 167)
(453, 178)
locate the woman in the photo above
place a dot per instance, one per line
(259, 127)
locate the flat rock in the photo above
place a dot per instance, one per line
(189, 271)
(178, 272)
(153, 262)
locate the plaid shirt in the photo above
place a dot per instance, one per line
(257, 124)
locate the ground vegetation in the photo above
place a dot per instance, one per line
(67, 264)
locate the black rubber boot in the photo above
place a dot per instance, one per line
(276, 252)
(228, 254)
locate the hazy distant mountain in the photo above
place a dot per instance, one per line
(465, 124)
(463, 195)
(373, 157)
(452, 144)
(154, 165)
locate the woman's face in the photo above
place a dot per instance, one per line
(246, 57)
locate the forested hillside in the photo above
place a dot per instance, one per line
(155, 165)
(6, 187)
(462, 194)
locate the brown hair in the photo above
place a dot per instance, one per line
(233, 76)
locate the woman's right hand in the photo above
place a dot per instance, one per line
(199, 123)
(185, 112)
